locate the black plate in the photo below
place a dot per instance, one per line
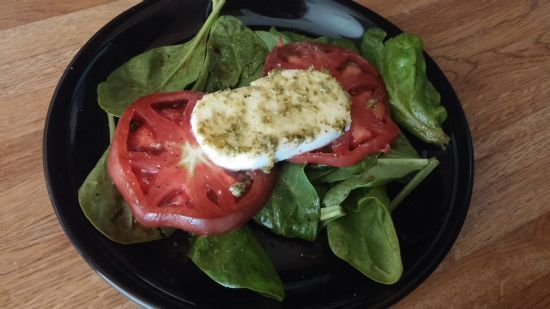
(158, 273)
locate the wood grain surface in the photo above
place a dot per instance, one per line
(495, 53)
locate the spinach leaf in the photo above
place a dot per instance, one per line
(107, 211)
(343, 173)
(384, 171)
(200, 83)
(367, 240)
(342, 42)
(237, 260)
(166, 68)
(235, 54)
(415, 102)
(402, 149)
(271, 38)
(372, 46)
(294, 206)
(294, 37)
(316, 172)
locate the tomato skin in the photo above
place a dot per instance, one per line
(372, 129)
(159, 169)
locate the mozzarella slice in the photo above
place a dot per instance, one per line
(287, 113)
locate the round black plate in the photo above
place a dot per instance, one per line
(158, 273)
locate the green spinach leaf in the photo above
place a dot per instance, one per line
(415, 102)
(344, 173)
(372, 46)
(161, 69)
(316, 172)
(342, 42)
(292, 36)
(237, 260)
(293, 209)
(235, 54)
(271, 38)
(367, 240)
(200, 83)
(107, 211)
(402, 149)
(384, 171)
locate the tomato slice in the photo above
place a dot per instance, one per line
(372, 129)
(166, 179)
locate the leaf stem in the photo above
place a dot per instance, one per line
(330, 213)
(111, 120)
(409, 161)
(417, 179)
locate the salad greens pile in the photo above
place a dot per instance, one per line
(350, 203)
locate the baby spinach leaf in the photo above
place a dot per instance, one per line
(235, 54)
(384, 171)
(342, 42)
(293, 37)
(315, 172)
(293, 208)
(372, 46)
(237, 260)
(271, 38)
(200, 83)
(166, 68)
(351, 203)
(402, 149)
(149, 72)
(367, 239)
(415, 102)
(251, 72)
(343, 173)
(107, 211)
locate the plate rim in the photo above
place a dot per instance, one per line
(130, 292)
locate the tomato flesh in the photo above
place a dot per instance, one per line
(165, 177)
(372, 129)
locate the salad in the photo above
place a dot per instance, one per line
(166, 169)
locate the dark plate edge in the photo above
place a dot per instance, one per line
(454, 229)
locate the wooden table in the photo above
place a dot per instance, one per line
(495, 53)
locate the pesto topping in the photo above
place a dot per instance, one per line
(239, 188)
(286, 107)
(372, 103)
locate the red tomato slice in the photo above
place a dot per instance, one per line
(372, 129)
(166, 179)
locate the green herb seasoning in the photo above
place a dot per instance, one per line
(288, 108)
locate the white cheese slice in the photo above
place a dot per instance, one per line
(279, 116)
